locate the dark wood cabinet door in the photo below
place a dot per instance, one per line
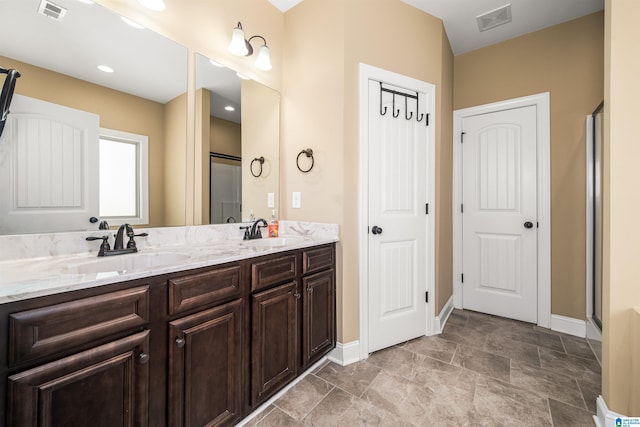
(106, 386)
(205, 363)
(274, 350)
(318, 316)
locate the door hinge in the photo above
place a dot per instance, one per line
(367, 230)
(428, 119)
(462, 137)
(462, 277)
(461, 208)
(426, 297)
(537, 225)
(427, 209)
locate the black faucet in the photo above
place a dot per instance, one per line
(118, 246)
(253, 231)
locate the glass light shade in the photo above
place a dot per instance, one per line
(263, 61)
(155, 5)
(238, 46)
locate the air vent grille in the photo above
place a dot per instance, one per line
(52, 10)
(494, 18)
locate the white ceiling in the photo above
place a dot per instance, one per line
(145, 63)
(459, 17)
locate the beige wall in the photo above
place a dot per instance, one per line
(226, 137)
(260, 138)
(565, 60)
(320, 111)
(621, 269)
(175, 163)
(202, 166)
(117, 110)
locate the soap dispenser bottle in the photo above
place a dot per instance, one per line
(273, 225)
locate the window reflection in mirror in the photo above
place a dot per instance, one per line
(145, 95)
(237, 120)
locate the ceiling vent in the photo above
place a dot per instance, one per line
(494, 18)
(51, 10)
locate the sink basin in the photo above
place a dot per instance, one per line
(272, 242)
(128, 262)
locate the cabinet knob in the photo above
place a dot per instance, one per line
(310, 290)
(144, 358)
(297, 295)
(180, 342)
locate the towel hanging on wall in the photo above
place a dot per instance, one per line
(6, 94)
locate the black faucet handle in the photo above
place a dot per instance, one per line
(104, 247)
(131, 244)
(247, 234)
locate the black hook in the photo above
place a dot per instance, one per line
(406, 109)
(260, 161)
(309, 153)
(419, 117)
(382, 113)
(396, 113)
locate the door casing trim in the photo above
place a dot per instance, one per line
(543, 169)
(367, 72)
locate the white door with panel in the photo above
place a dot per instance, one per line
(49, 168)
(400, 183)
(499, 226)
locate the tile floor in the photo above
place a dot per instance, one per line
(481, 371)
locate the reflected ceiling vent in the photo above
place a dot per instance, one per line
(51, 10)
(494, 18)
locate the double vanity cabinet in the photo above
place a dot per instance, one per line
(196, 347)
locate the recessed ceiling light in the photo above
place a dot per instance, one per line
(105, 68)
(216, 64)
(229, 108)
(86, 1)
(243, 77)
(132, 24)
(155, 5)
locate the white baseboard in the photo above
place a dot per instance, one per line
(605, 417)
(345, 354)
(593, 332)
(441, 319)
(569, 325)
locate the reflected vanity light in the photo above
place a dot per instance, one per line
(229, 108)
(216, 64)
(240, 46)
(105, 68)
(155, 5)
(130, 23)
(243, 77)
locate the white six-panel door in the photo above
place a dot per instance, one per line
(398, 190)
(499, 231)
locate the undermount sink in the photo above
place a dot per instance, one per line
(272, 242)
(128, 262)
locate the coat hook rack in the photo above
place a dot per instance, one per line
(408, 115)
(260, 161)
(309, 153)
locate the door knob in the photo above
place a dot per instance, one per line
(528, 224)
(376, 230)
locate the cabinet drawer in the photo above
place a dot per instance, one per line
(267, 273)
(48, 330)
(317, 259)
(205, 288)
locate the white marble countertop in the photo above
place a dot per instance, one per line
(23, 278)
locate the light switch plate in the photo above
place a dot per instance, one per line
(295, 200)
(271, 200)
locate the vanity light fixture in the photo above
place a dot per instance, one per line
(240, 46)
(155, 5)
(130, 23)
(105, 68)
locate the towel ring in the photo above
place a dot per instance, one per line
(260, 161)
(309, 153)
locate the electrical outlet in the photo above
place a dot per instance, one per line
(271, 200)
(295, 200)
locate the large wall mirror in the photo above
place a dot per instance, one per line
(237, 126)
(144, 99)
